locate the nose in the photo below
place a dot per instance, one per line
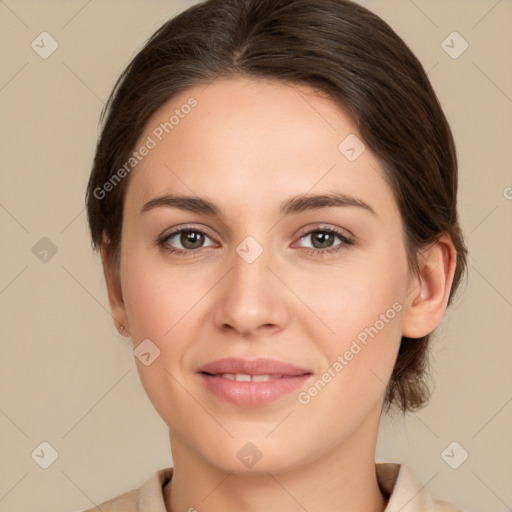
(251, 299)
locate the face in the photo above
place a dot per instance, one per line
(264, 272)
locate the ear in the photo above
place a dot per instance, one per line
(429, 290)
(115, 294)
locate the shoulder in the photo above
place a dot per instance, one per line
(406, 493)
(147, 498)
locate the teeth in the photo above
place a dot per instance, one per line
(244, 377)
(260, 378)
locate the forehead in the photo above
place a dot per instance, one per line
(240, 140)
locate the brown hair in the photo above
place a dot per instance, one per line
(340, 49)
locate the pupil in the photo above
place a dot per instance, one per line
(325, 236)
(189, 236)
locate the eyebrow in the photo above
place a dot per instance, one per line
(294, 205)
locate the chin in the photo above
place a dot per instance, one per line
(256, 458)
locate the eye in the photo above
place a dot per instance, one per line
(323, 238)
(191, 239)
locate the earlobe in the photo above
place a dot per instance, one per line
(430, 289)
(115, 295)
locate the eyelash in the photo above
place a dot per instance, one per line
(162, 242)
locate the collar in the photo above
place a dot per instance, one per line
(406, 493)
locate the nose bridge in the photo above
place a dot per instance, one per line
(250, 275)
(250, 298)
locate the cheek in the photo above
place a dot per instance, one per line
(361, 304)
(355, 294)
(359, 359)
(157, 296)
(159, 303)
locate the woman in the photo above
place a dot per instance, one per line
(274, 199)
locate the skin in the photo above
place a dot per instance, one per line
(248, 146)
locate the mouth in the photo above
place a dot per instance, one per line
(245, 377)
(253, 383)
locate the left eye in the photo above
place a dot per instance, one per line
(322, 239)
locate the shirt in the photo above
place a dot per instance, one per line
(405, 492)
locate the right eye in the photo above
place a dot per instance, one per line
(190, 239)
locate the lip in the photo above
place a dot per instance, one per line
(260, 366)
(286, 378)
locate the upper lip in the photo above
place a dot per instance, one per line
(260, 366)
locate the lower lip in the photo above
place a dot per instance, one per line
(252, 394)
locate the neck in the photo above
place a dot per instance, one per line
(344, 478)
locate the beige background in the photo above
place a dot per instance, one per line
(68, 378)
